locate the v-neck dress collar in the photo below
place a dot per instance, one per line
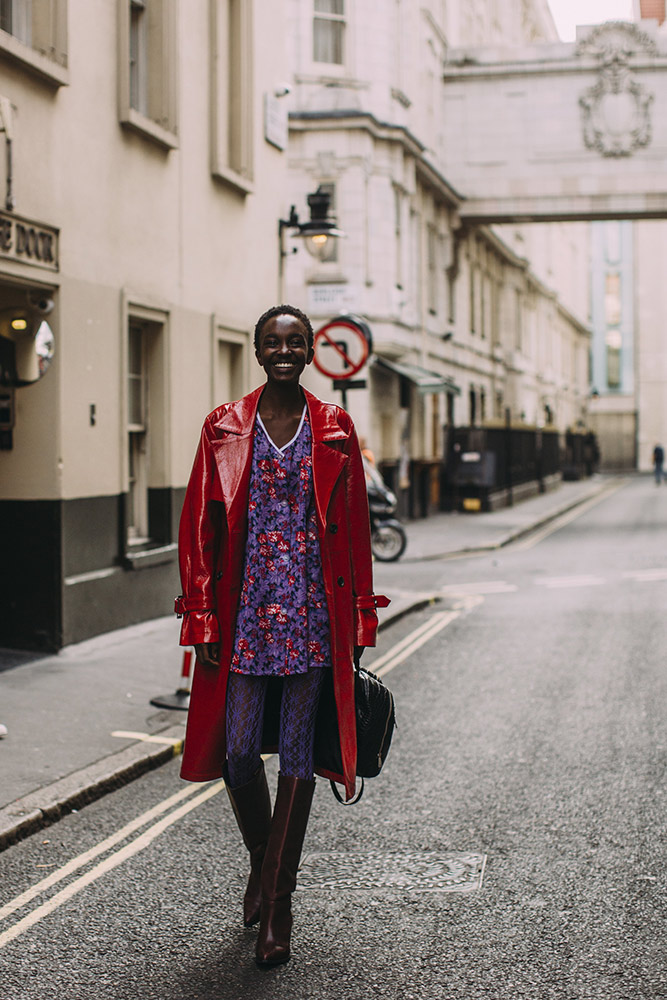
(289, 443)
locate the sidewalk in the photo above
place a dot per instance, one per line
(81, 724)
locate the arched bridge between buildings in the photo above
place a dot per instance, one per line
(560, 131)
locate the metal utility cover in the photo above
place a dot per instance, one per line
(432, 871)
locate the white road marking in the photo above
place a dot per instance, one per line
(406, 641)
(143, 841)
(402, 650)
(571, 515)
(482, 587)
(491, 587)
(95, 852)
(396, 655)
(645, 575)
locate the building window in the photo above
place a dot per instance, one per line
(148, 494)
(229, 362)
(613, 344)
(33, 33)
(518, 320)
(16, 19)
(329, 31)
(473, 297)
(147, 56)
(613, 337)
(451, 401)
(137, 427)
(398, 236)
(472, 405)
(432, 265)
(612, 299)
(495, 312)
(482, 304)
(138, 57)
(451, 294)
(231, 93)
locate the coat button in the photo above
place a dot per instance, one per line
(218, 575)
(333, 528)
(341, 581)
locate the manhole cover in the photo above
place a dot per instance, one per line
(442, 872)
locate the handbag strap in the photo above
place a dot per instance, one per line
(340, 798)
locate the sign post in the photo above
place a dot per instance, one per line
(341, 348)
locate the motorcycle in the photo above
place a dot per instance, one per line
(388, 538)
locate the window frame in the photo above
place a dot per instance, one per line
(161, 127)
(433, 257)
(149, 547)
(334, 19)
(233, 336)
(398, 236)
(52, 38)
(231, 111)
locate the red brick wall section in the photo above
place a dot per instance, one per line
(653, 9)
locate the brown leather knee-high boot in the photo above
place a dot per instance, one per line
(252, 808)
(281, 861)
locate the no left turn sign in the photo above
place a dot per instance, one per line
(341, 348)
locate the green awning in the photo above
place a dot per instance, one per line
(425, 381)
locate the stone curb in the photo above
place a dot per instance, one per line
(44, 806)
(38, 809)
(526, 529)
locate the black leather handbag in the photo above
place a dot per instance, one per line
(376, 720)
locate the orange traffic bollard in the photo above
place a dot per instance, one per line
(181, 697)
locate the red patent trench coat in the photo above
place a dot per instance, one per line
(212, 541)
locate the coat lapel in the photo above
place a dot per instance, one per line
(328, 462)
(233, 455)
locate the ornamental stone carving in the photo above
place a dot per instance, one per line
(616, 110)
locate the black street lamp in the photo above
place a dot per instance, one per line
(316, 233)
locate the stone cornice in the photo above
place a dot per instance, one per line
(305, 121)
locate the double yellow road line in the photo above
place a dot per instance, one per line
(182, 803)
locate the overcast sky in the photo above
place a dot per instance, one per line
(568, 13)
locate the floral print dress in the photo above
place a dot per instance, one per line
(282, 626)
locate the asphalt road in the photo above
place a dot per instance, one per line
(531, 748)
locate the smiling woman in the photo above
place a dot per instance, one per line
(275, 507)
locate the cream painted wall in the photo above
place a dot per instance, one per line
(398, 83)
(138, 220)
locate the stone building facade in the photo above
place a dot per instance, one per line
(147, 154)
(478, 307)
(147, 167)
(613, 405)
(628, 408)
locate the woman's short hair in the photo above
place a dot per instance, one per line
(283, 310)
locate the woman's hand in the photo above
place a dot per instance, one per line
(208, 653)
(358, 653)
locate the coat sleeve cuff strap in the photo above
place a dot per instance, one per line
(373, 601)
(185, 604)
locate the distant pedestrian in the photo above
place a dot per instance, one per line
(658, 459)
(276, 569)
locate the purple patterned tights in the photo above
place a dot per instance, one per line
(245, 716)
